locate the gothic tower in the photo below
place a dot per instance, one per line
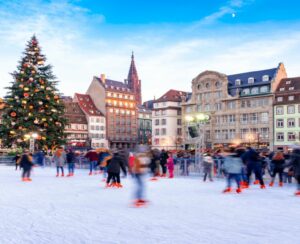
(133, 81)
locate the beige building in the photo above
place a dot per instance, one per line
(239, 106)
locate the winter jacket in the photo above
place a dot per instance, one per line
(92, 156)
(250, 157)
(141, 163)
(163, 158)
(115, 164)
(233, 164)
(103, 157)
(277, 164)
(59, 160)
(26, 162)
(207, 163)
(295, 162)
(70, 157)
(170, 164)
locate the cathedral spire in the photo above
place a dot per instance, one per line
(133, 80)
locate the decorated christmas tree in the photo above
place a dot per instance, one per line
(33, 104)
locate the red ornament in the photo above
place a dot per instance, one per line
(13, 114)
(26, 94)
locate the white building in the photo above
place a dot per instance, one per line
(95, 119)
(166, 121)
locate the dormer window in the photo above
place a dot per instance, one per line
(281, 89)
(237, 82)
(250, 80)
(291, 88)
(288, 82)
(265, 78)
(279, 99)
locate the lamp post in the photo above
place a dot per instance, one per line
(32, 137)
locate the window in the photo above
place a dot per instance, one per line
(157, 122)
(231, 134)
(218, 106)
(253, 118)
(254, 90)
(199, 87)
(163, 121)
(264, 133)
(244, 118)
(231, 118)
(244, 133)
(218, 84)
(291, 109)
(199, 108)
(207, 85)
(291, 123)
(178, 121)
(156, 141)
(199, 97)
(288, 82)
(179, 131)
(280, 136)
(250, 80)
(219, 94)
(246, 91)
(157, 112)
(157, 132)
(246, 104)
(264, 89)
(279, 99)
(291, 136)
(264, 117)
(265, 78)
(231, 105)
(281, 89)
(163, 131)
(207, 107)
(279, 110)
(178, 112)
(237, 82)
(291, 88)
(291, 98)
(164, 112)
(279, 123)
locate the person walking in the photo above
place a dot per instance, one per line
(92, 157)
(207, 166)
(295, 163)
(26, 164)
(71, 162)
(278, 163)
(114, 166)
(233, 165)
(59, 159)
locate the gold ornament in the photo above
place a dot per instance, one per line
(26, 89)
(44, 119)
(24, 102)
(36, 121)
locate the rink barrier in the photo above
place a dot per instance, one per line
(7, 160)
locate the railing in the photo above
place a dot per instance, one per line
(6, 159)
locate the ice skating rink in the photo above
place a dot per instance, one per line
(182, 210)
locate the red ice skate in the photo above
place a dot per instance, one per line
(57, 175)
(228, 189)
(90, 173)
(271, 184)
(119, 185)
(280, 184)
(62, 175)
(153, 179)
(140, 203)
(238, 190)
(262, 187)
(256, 182)
(297, 193)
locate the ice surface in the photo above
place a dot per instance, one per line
(182, 210)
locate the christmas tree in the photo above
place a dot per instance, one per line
(33, 104)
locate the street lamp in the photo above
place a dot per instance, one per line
(31, 137)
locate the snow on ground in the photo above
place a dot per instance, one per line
(182, 210)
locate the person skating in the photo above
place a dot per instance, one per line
(141, 163)
(114, 166)
(154, 164)
(26, 164)
(103, 157)
(163, 162)
(233, 165)
(278, 163)
(170, 165)
(17, 161)
(295, 162)
(92, 157)
(207, 166)
(59, 159)
(71, 162)
(253, 164)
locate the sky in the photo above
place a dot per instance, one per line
(173, 41)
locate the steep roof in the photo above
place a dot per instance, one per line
(149, 104)
(74, 113)
(172, 96)
(87, 105)
(257, 75)
(288, 85)
(132, 74)
(114, 85)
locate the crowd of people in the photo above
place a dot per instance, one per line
(237, 164)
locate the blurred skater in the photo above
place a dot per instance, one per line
(59, 159)
(278, 163)
(26, 164)
(92, 157)
(207, 166)
(295, 162)
(114, 166)
(170, 165)
(71, 162)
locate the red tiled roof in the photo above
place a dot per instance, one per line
(87, 105)
(286, 84)
(171, 96)
(74, 113)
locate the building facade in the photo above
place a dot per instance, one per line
(167, 121)
(239, 107)
(287, 114)
(77, 128)
(95, 119)
(119, 101)
(144, 125)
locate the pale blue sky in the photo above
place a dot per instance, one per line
(173, 41)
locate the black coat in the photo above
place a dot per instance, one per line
(115, 164)
(295, 162)
(163, 158)
(25, 162)
(70, 157)
(278, 164)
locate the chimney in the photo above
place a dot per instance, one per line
(102, 77)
